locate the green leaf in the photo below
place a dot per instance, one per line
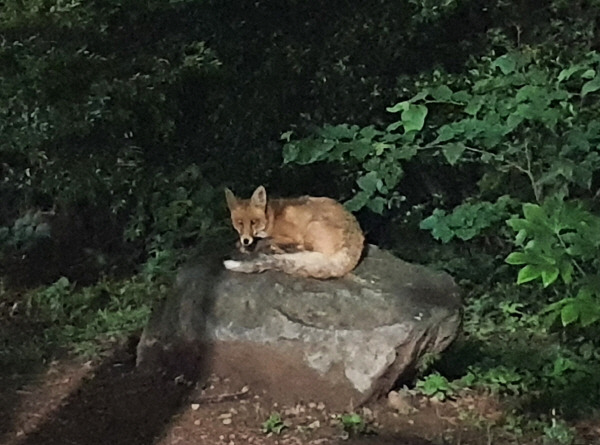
(590, 86)
(400, 106)
(506, 63)
(359, 149)
(517, 258)
(286, 136)
(587, 318)
(549, 276)
(419, 96)
(393, 126)
(534, 212)
(413, 118)
(474, 105)
(566, 271)
(528, 273)
(441, 93)
(568, 72)
(358, 201)
(368, 182)
(461, 96)
(588, 74)
(569, 313)
(513, 120)
(453, 152)
(518, 224)
(376, 204)
(368, 133)
(445, 133)
(341, 131)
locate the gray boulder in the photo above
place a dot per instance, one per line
(360, 335)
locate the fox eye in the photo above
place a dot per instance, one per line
(239, 222)
(253, 222)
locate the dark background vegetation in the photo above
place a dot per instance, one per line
(122, 122)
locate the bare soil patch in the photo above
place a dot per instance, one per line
(77, 403)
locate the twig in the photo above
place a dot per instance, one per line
(223, 397)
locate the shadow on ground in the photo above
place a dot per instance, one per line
(386, 440)
(115, 405)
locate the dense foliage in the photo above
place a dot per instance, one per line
(469, 128)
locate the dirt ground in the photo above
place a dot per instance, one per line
(112, 403)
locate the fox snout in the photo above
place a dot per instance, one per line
(246, 240)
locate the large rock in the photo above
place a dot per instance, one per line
(358, 335)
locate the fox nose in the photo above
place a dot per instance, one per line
(246, 241)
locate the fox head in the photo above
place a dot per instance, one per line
(248, 216)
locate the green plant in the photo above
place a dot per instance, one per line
(560, 239)
(436, 386)
(274, 424)
(353, 423)
(468, 220)
(558, 433)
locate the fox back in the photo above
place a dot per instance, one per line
(307, 236)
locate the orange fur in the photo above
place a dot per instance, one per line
(308, 236)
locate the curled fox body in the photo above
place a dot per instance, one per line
(308, 236)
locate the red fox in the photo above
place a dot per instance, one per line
(307, 236)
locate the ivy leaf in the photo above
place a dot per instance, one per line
(400, 106)
(506, 63)
(368, 182)
(513, 120)
(439, 228)
(342, 131)
(474, 105)
(441, 93)
(413, 118)
(360, 149)
(286, 136)
(419, 96)
(358, 201)
(461, 96)
(453, 152)
(290, 152)
(369, 132)
(393, 126)
(376, 204)
(590, 86)
(445, 133)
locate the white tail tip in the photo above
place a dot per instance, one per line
(232, 264)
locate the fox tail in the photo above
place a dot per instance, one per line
(305, 263)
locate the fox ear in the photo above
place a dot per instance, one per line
(259, 197)
(231, 199)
